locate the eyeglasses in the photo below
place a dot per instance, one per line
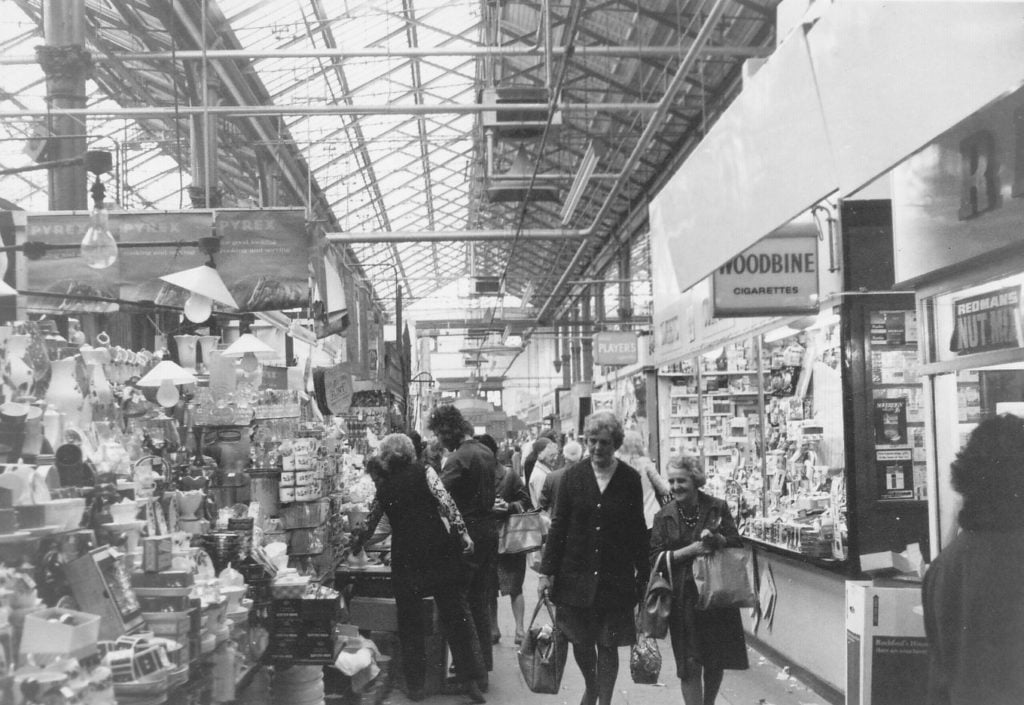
(595, 441)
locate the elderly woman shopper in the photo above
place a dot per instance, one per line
(704, 642)
(545, 465)
(595, 561)
(511, 497)
(973, 594)
(425, 561)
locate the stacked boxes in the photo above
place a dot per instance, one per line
(301, 631)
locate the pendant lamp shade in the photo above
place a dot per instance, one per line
(205, 281)
(166, 370)
(247, 343)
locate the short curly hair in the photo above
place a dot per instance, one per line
(448, 424)
(989, 473)
(397, 446)
(605, 420)
(691, 465)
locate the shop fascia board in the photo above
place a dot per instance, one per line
(824, 116)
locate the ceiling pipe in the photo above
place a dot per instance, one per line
(216, 55)
(653, 125)
(354, 237)
(366, 109)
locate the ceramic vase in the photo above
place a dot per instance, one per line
(63, 394)
(207, 346)
(186, 350)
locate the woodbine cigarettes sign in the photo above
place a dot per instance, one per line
(777, 276)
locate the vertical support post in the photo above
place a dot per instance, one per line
(587, 343)
(67, 64)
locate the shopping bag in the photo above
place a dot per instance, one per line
(657, 603)
(521, 533)
(645, 660)
(724, 579)
(543, 653)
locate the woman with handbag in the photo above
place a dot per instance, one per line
(595, 561)
(704, 642)
(511, 497)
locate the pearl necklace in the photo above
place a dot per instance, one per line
(689, 517)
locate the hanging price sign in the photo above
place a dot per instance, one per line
(338, 389)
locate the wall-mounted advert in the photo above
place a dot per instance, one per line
(893, 328)
(62, 278)
(890, 418)
(895, 472)
(988, 321)
(263, 259)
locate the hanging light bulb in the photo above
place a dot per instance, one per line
(249, 363)
(167, 395)
(198, 308)
(98, 248)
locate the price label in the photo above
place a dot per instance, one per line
(275, 377)
(338, 389)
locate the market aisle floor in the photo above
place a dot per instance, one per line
(764, 684)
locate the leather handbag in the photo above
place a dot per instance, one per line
(657, 603)
(724, 579)
(521, 533)
(543, 653)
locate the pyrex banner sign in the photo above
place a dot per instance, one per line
(778, 275)
(989, 321)
(615, 348)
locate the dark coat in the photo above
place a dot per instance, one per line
(695, 631)
(469, 476)
(423, 552)
(973, 599)
(597, 539)
(510, 488)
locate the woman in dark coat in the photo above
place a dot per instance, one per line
(511, 497)
(595, 560)
(425, 562)
(704, 642)
(974, 590)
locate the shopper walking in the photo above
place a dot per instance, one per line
(973, 592)
(595, 561)
(656, 490)
(424, 562)
(572, 453)
(544, 466)
(704, 642)
(511, 497)
(468, 474)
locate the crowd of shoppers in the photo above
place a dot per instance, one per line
(595, 561)
(612, 515)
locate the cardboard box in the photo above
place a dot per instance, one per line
(885, 563)
(380, 614)
(156, 554)
(60, 631)
(887, 653)
(164, 579)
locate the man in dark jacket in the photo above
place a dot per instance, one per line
(469, 476)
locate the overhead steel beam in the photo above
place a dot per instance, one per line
(581, 52)
(305, 109)
(354, 237)
(651, 129)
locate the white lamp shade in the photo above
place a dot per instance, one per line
(6, 289)
(248, 343)
(205, 281)
(166, 370)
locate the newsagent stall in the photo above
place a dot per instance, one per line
(794, 374)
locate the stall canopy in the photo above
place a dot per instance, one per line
(842, 101)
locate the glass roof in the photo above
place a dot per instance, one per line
(370, 120)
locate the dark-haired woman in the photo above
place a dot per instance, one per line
(424, 562)
(974, 591)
